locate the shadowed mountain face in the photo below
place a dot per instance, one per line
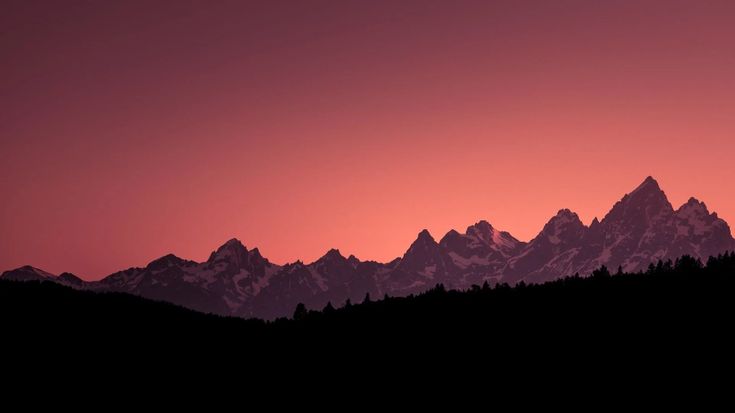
(28, 273)
(640, 229)
(551, 253)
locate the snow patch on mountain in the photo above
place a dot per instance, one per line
(428, 271)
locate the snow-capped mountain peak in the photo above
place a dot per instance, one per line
(693, 207)
(481, 230)
(565, 216)
(693, 218)
(483, 233)
(565, 225)
(639, 229)
(232, 251)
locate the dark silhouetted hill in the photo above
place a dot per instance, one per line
(679, 311)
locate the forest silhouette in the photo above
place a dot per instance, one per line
(673, 308)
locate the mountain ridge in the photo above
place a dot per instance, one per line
(641, 228)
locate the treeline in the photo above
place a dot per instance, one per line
(686, 278)
(654, 312)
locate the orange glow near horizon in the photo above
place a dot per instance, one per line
(133, 130)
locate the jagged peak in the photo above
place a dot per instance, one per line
(565, 215)
(450, 235)
(425, 236)
(424, 233)
(481, 226)
(233, 242)
(424, 241)
(648, 184)
(647, 198)
(648, 189)
(695, 202)
(165, 261)
(333, 253)
(233, 247)
(693, 206)
(481, 230)
(484, 232)
(562, 222)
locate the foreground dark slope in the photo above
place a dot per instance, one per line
(60, 314)
(679, 301)
(681, 306)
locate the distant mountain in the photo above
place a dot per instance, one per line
(28, 273)
(223, 284)
(480, 252)
(640, 229)
(551, 254)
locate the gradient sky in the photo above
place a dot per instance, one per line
(131, 129)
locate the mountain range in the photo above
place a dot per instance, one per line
(640, 229)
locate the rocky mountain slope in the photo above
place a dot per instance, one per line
(641, 228)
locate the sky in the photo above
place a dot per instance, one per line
(129, 130)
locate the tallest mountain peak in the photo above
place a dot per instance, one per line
(640, 209)
(649, 184)
(648, 193)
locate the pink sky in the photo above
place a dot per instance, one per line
(131, 130)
